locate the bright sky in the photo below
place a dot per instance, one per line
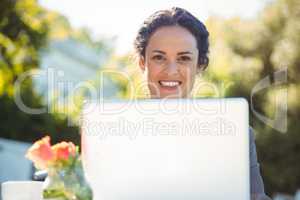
(123, 18)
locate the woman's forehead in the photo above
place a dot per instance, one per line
(172, 38)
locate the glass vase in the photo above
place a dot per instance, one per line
(67, 183)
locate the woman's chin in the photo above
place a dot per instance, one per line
(168, 93)
(174, 95)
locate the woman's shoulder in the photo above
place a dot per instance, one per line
(251, 134)
(252, 147)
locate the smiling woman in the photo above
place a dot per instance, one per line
(172, 47)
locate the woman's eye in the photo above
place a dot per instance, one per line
(158, 57)
(184, 58)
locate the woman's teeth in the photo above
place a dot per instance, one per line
(169, 83)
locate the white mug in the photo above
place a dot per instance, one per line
(22, 190)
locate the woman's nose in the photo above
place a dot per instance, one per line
(172, 67)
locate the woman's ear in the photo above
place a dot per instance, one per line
(142, 63)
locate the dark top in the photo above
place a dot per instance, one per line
(256, 182)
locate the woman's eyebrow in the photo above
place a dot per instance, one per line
(184, 52)
(159, 51)
(180, 53)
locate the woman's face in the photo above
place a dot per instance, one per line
(170, 62)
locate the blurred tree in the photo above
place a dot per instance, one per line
(128, 77)
(24, 28)
(245, 52)
(273, 40)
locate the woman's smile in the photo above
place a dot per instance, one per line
(171, 83)
(171, 86)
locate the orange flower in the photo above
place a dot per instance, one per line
(64, 150)
(40, 153)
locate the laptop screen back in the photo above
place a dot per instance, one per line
(167, 149)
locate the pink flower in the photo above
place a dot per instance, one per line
(64, 150)
(40, 153)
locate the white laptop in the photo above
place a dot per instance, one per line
(175, 149)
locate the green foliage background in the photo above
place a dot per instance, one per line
(24, 30)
